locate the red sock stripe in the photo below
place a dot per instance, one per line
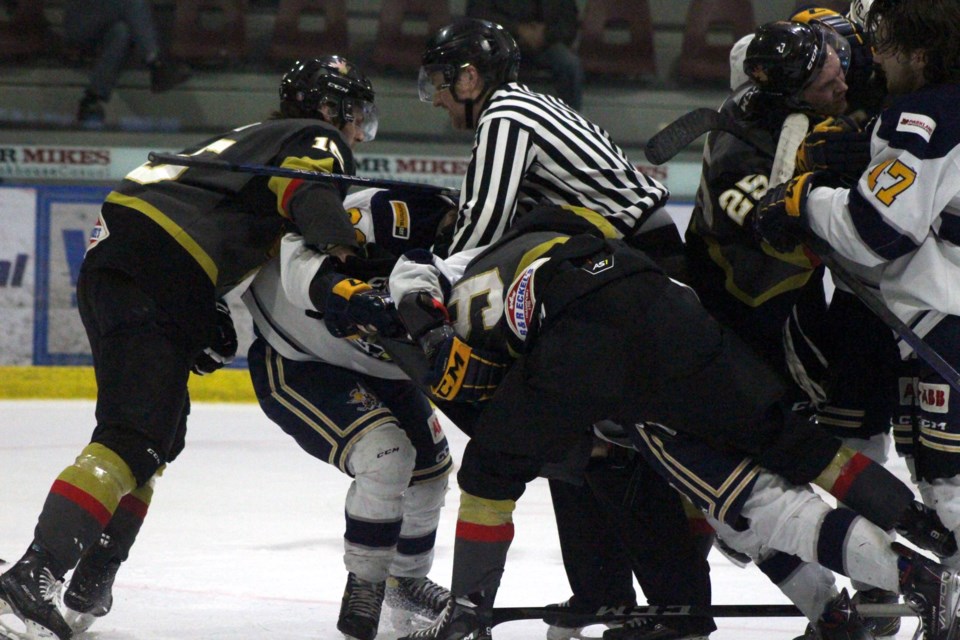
(484, 533)
(699, 526)
(134, 505)
(83, 500)
(849, 474)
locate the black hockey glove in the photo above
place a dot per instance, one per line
(459, 373)
(372, 261)
(224, 347)
(353, 308)
(781, 213)
(837, 146)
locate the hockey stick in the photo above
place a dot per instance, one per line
(670, 140)
(281, 172)
(783, 163)
(511, 614)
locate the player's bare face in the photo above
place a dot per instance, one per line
(352, 132)
(443, 98)
(827, 94)
(903, 71)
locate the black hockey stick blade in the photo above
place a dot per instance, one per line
(873, 302)
(282, 172)
(615, 614)
(677, 135)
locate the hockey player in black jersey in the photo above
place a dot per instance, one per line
(601, 332)
(169, 242)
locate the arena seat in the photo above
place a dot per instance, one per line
(209, 31)
(25, 31)
(600, 50)
(701, 58)
(403, 28)
(292, 40)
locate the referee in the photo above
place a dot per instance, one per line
(528, 145)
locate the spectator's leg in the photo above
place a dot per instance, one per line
(567, 73)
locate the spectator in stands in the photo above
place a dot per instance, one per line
(111, 28)
(546, 31)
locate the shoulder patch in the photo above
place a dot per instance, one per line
(520, 300)
(916, 123)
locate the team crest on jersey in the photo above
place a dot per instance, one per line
(934, 398)
(401, 219)
(364, 400)
(98, 234)
(520, 301)
(917, 123)
(598, 266)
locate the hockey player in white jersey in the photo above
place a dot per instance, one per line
(347, 405)
(899, 227)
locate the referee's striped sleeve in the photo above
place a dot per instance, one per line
(492, 184)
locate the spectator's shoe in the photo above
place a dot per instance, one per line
(414, 598)
(29, 591)
(879, 627)
(652, 629)
(932, 590)
(360, 608)
(922, 526)
(165, 75)
(90, 112)
(840, 621)
(460, 620)
(89, 593)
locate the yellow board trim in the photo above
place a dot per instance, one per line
(176, 232)
(62, 383)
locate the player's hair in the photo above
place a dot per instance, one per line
(932, 26)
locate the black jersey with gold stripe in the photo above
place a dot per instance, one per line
(187, 234)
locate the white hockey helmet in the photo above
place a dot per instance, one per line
(858, 12)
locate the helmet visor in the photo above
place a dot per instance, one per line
(834, 41)
(364, 115)
(433, 79)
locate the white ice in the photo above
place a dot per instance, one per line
(244, 537)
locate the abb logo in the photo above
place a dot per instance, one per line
(934, 398)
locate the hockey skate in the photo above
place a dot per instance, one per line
(879, 627)
(460, 620)
(414, 601)
(29, 591)
(932, 590)
(89, 593)
(652, 629)
(922, 526)
(839, 621)
(360, 608)
(559, 629)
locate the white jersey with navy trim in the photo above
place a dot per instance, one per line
(278, 298)
(903, 217)
(532, 146)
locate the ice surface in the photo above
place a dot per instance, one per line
(244, 537)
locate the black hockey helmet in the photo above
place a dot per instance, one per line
(485, 45)
(330, 88)
(785, 57)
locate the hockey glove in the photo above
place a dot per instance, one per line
(780, 213)
(836, 146)
(459, 372)
(224, 347)
(353, 308)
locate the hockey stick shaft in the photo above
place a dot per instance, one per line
(510, 614)
(873, 302)
(677, 135)
(281, 172)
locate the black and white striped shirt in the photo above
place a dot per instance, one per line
(530, 145)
